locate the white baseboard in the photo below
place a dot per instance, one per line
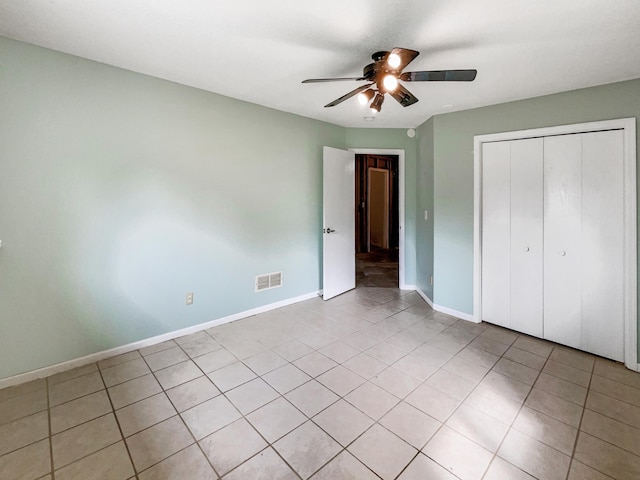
(455, 313)
(404, 286)
(446, 310)
(96, 357)
(425, 297)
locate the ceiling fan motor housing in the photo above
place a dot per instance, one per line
(380, 56)
(377, 71)
(369, 71)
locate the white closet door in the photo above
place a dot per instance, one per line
(496, 233)
(526, 236)
(602, 244)
(562, 239)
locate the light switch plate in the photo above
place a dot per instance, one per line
(426, 214)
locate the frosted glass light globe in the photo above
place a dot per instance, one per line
(393, 60)
(390, 83)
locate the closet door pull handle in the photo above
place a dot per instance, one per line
(562, 253)
(526, 249)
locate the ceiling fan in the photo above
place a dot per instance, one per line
(384, 75)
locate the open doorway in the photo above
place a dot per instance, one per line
(377, 220)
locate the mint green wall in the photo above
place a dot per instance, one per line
(453, 170)
(120, 193)
(424, 228)
(396, 138)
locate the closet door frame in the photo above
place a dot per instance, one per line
(628, 127)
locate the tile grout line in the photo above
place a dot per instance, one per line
(460, 404)
(606, 394)
(269, 444)
(309, 419)
(45, 409)
(594, 436)
(579, 428)
(518, 413)
(177, 414)
(615, 420)
(339, 338)
(221, 394)
(239, 359)
(510, 345)
(376, 422)
(113, 412)
(242, 416)
(53, 472)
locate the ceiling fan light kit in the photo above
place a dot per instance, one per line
(384, 76)
(366, 96)
(376, 105)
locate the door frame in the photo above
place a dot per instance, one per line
(386, 222)
(401, 230)
(628, 126)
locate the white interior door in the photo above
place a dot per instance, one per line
(526, 236)
(339, 230)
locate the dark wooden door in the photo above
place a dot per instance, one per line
(363, 163)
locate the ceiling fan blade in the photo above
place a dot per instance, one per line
(403, 96)
(318, 80)
(406, 56)
(440, 76)
(348, 95)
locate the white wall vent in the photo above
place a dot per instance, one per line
(268, 281)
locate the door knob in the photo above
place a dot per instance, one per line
(526, 249)
(562, 253)
(329, 230)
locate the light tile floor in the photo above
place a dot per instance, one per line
(372, 384)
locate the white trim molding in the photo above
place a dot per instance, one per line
(628, 126)
(425, 297)
(446, 310)
(401, 203)
(96, 357)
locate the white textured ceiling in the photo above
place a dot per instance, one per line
(260, 50)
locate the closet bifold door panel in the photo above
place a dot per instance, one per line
(603, 244)
(512, 235)
(584, 228)
(526, 236)
(583, 239)
(562, 239)
(496, 233)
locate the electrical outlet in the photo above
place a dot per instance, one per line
(431, 279)
(189, 298)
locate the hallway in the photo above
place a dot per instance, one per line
(378, 268)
